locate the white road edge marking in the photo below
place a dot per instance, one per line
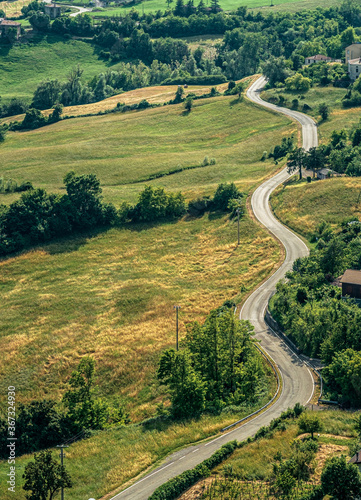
(144, 478)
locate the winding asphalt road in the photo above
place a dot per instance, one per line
(297, 380)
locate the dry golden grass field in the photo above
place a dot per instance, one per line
(111, 294)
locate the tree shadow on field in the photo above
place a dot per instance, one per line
(139, 227)
(161, 423)
(216, 215)
(70, 243)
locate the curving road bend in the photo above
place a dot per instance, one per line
(297, 379)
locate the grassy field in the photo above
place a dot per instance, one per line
(302, 206)
(123, 148)
(111, 295)
(109, 459)
(227, 5)
(155, 95)
(339, 117)
(23, 67)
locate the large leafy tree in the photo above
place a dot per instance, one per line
(44, 477)
(47, 94)
(84, 193)
(340, 480)
(84, 411)
(186, 387)
(296, 161)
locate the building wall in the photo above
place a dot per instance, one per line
(352, 290)
(353, 51)
(354, 70)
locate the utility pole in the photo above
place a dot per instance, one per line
(62, 455)
(237, 212)
(176, 309)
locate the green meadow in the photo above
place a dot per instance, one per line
(124, 148)
(24, 66)
(227, 5)
(112, 294)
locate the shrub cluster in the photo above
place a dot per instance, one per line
(226, 198)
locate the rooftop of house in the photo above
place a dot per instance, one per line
(356, 459)
(326, 171)
(355, 61)
(319, 57)
(352, 277)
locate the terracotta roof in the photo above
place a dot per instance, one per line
(5, 22)
(355, 61)
(351, 276)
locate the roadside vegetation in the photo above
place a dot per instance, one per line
(285, 462)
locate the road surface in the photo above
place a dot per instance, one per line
(297, 380)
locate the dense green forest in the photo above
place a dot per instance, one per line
(309, 308)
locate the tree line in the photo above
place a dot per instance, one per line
(249, 38)
(38, 217)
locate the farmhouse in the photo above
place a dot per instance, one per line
(354, 68)
(356, 459)
(317, 58)
(6, 25)
(352, 51)
(324, 173)
(53, 10)
(351, 284)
